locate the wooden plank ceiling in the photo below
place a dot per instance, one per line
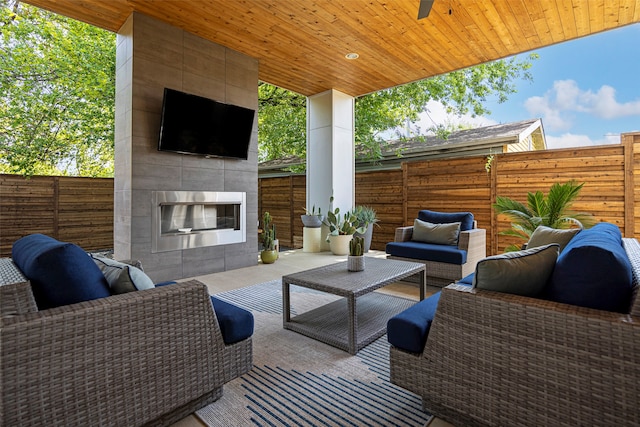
(301, 44)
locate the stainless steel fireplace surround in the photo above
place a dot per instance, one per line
(193, 219)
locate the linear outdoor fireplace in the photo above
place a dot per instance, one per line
(193, 219)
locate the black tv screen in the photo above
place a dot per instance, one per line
(193, 124)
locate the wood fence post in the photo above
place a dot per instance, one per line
(405, 180)
(291, 211)
(56, 207)
(627, 142)
(493, 193)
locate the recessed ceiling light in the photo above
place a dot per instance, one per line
(352, 55)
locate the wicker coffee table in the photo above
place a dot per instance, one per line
(359, 318)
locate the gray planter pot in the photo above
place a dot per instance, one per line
(311, 221)
(367, 235)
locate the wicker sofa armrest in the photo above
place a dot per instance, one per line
(472, 238)
(632, 248)
(122, 360)
(16, 299)
(403, 234)
(519, 358)
(16, 296)
(475, 243)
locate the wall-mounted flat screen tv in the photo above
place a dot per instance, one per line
(193, 124)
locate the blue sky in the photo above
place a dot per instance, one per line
(587, 91)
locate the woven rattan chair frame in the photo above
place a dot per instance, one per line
(496, 359)
(441, 274)
(143, 358)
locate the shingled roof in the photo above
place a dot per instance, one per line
(526, 135)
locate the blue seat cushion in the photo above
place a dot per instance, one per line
(408, 330)
(60, 273)
(168, 282)
(464, 218)
(593, 271)
(427, 252)
(236, 324)
(467, 280)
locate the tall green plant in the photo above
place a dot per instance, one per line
(340, 224)
(356, 246)
(552, 210)
(366, 216)
(269, 232)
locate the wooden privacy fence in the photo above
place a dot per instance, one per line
(464, 184)
(80, 210)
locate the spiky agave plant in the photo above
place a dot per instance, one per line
(552, 210)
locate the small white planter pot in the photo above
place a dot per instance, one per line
(339, 245)
(355, 262)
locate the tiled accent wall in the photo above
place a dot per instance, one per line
(152, 55)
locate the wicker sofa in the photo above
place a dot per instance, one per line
(444, 263)
(149, 357)
(500, 359)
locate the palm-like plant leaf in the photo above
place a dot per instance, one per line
(537, 204)
(551, 210)
(560, 198)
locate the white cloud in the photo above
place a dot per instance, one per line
(569, 140)
(539, 106)
(559, 105)
(569, 97)
(604, 104)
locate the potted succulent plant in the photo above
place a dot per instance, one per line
(366, 219)
(341, 229)
(312, 219)
(269, 254)
(355, 260)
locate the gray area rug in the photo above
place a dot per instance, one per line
(298, 381)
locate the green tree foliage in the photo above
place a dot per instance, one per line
(57, 92)
(281, 123)
(282, 113)
(552, 210)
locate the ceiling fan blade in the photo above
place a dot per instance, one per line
(425, 8)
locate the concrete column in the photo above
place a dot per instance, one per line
(150, 56)
(330, 150)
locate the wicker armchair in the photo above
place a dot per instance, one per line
(142, 358)
(473, 241)
(501, 360)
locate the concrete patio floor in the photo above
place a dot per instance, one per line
(291, 261)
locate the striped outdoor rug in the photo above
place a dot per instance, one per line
(297, 381)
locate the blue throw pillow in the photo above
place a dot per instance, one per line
(60, 273)
(593, 271)
(464, 218)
